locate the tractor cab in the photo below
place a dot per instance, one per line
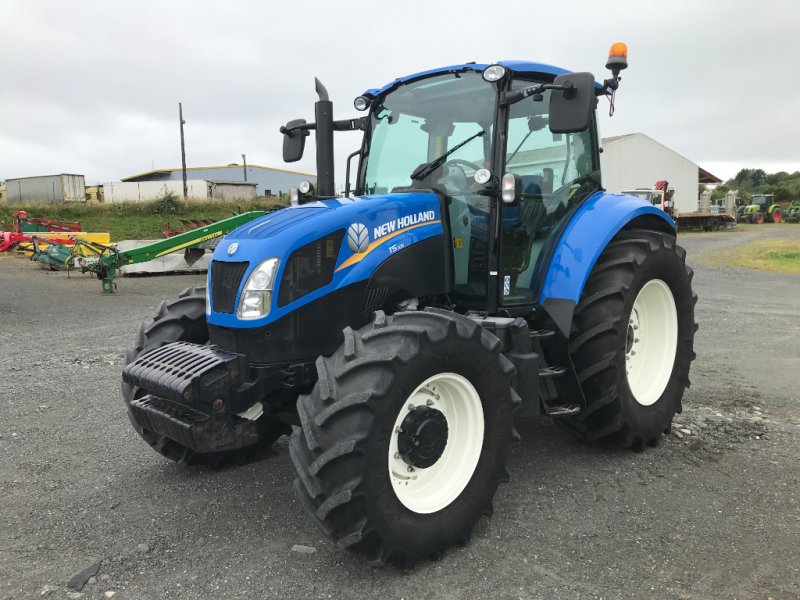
(510, 149)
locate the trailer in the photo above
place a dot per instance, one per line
(705, 221)
(708, 218)
(64, 187)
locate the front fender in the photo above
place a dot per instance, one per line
(585, 237)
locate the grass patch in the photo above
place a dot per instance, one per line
(779, 255)
(136, 220)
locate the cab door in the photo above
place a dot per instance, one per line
(554, 170)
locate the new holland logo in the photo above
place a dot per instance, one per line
(358, 237)
(232, 249)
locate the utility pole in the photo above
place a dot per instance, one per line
(244, 160)
(183, 152)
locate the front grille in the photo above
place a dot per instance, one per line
(225, 280)
(309, 268)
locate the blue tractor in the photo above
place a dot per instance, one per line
(478, 271)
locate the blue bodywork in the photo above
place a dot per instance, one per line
(397, 221)
(393, 221)
(585, 237)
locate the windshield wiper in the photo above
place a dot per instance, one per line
(422, 171)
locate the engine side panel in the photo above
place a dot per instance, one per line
(374, 228)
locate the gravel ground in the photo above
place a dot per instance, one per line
(712, 512)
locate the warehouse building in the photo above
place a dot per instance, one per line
(268, 181)
(637, 161)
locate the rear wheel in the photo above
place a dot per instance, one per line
(406, 435)
(777, 215)
(184, 320)
(632, 340)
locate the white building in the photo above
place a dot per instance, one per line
(197, 189)
(637, 161)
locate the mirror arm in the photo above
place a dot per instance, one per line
(305, 127)
(509, 98)
(343, 125)
(350, 124)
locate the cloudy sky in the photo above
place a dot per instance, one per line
(93, 86)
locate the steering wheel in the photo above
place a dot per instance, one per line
(456, 179)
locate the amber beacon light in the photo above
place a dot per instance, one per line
(617, 57)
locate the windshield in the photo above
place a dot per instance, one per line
(420, 121)
(435, 133)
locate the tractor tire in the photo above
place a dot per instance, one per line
(776, 215)
(640, 287)
(758, 218)
(184, 320)
(396, 483)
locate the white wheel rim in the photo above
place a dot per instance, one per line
(652, 342)
(431, 489)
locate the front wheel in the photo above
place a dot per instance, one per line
(406, 435)
(632, 340)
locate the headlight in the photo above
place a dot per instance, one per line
(257, 292)
(494, 73)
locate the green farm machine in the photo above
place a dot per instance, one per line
(762, 208)
(792, 212)
(105, 260)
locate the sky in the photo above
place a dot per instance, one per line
(93, 86)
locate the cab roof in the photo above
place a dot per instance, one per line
(516, 66)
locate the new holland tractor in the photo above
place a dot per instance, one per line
(477, 272)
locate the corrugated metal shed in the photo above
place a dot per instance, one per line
(64, 187)
(269, 181)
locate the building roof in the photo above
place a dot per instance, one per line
(223, 182)
(705, 176)
(238, 167)
(43, 176)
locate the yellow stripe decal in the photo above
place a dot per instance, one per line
(356, 258)
(205, 238)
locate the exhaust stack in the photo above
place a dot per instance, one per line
(323, 110)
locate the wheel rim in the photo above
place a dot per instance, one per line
(776, 216)
(651, 343)
(431, 488)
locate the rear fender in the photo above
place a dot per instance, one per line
(591, 228)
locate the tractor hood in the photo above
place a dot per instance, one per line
(360, 234)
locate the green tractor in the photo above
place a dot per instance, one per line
(762, 208)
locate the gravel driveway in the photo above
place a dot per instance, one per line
(712, 512)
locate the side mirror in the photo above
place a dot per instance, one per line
(294, 142)
(571, 109)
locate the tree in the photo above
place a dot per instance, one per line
(743, 175)
(758, 177)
